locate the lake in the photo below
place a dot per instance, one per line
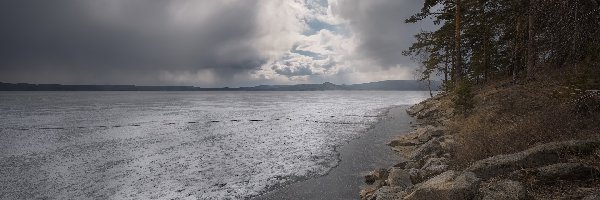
(177, 145)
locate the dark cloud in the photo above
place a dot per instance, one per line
(380, 27)
(293, 71)
(203, 42)
(113, 41)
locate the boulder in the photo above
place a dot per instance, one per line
(444, 121)
(566, 171)
(434, 166)
(413, 110)
(432, 109)
(399, 178)
(390, 193)
(433, 170)
(405, 140)
(503, 190)
(430, 147)
(416, 175)
(402, 163)
(448, 185)
(426, 113)
(448, 144)
(404, 151)
(407, 164)
(370, 179)
(417, 137)
(378, 174)
(426, 133)
(592, 197)
(410, 165)
(534, 157)
(439, 96)
(367, 193)
(435, 162)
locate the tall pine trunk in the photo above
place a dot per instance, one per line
(457, 43)
(575, 38)
(515, 53)
(486, 41)
(531, 41)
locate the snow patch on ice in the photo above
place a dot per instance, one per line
(241, 144)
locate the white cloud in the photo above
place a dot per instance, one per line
(209, 43)
(350, 56)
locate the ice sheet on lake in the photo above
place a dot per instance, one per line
(163, 145)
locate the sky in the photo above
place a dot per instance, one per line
(206, 43)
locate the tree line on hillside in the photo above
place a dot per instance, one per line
(389, 85)
(480, 40)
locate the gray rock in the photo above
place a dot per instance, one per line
(448, 185)
(409, 139)
(426, 133)
(434, 166)
(439, 96)
(534, 157)
(410, 165)
(390, 193)
(404, 141)
(416, 175)
(370, 179)
(444, 121)
(413, 110)
(368, 193)
(426, 113)
(448, 144)
(378, 174)
(431, 147)
(504, 190)
(592, 197)
(433, 171)
(435, 161)
(402, 164)
(432, 109)
(566, 171)
(399, 178)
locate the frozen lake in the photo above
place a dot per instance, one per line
(176, 145)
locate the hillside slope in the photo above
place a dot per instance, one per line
(534, 140)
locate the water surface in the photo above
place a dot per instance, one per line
(186, 145)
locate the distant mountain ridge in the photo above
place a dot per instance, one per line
(398, 85)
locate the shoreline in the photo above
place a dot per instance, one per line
(355, 159)
(426, 151)
(429, 170)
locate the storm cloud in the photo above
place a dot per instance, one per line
(97, 39)
(380, 27)
(203, 42)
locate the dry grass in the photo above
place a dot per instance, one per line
(509, 118)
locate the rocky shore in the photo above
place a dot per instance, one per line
(428, 151)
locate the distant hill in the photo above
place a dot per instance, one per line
(402, 85)
(399, 85)
(396, 85)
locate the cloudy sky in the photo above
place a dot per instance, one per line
(207, 43)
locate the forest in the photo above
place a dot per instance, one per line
(478, 41)
(518, 116)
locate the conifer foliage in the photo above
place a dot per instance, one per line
(481, 40)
